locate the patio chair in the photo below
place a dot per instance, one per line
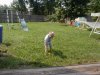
(93, 25)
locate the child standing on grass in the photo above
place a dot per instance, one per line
(47, 41)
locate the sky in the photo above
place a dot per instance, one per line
(7, 2)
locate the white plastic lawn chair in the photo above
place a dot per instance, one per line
(93, 25)
(96, 24)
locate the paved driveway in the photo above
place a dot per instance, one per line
(91, 69)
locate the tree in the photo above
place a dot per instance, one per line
(42, 7)
(71, 8)
(37, 6)
(94, 5)
(3, 8)
(61, 8)
(22, 5)
(49, 6)
(15, 5)
(19, 5)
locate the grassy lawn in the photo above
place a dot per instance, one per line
(71, 46)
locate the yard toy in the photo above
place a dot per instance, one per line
(23, 25)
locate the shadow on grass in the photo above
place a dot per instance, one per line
(58, 53)
(10, 62)
(95, 36)
(7, 44)
(64, 25)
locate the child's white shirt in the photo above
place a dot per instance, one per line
(47, 39)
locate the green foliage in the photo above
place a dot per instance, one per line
(49, 6)
(15, 5)
(61, 8)
(75, 8)
(52, 18)
(94, 6)
(3, 7)
(22, 5)
(71, 46)
(59, 13)
(70, 8)
(42, 7)
(19, 5)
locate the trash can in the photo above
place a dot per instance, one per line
(1, 28)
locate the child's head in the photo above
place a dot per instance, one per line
(51, 34)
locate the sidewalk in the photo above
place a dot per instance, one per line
(91, 69)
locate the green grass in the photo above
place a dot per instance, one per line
(71, 46)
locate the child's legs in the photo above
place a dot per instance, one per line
(50, 46)
(46, 46)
